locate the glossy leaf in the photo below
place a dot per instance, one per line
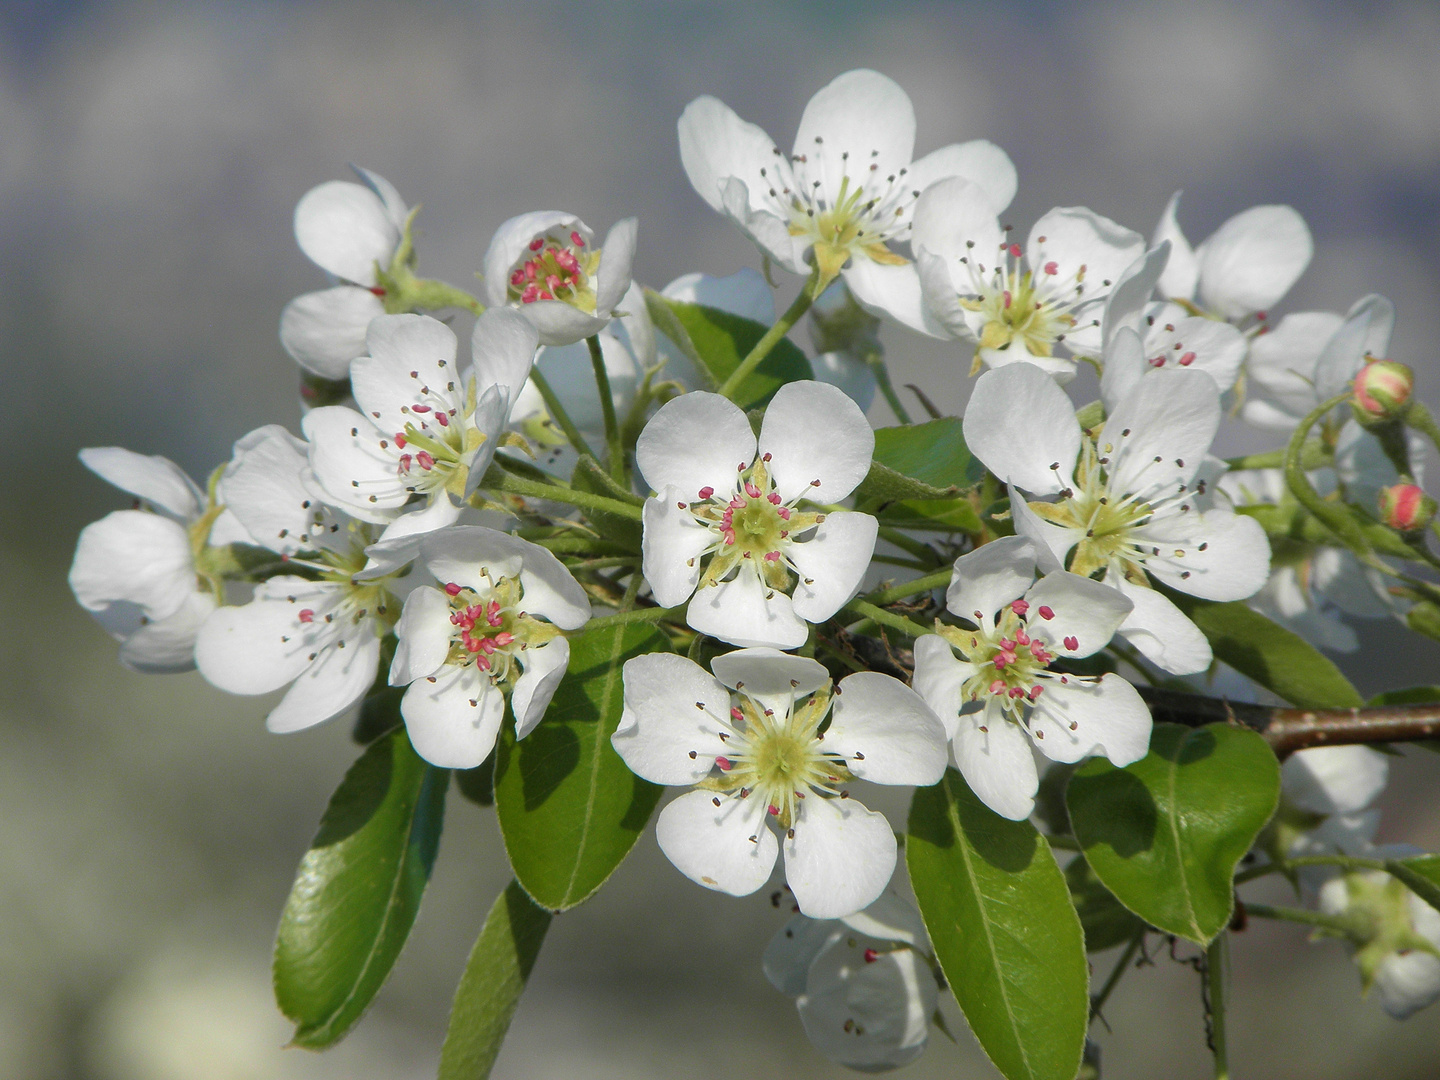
(358, 890)
(933, 453)
(1276, 658)
(570, 810)
(1105, 920)
(716, 341)
(1421, 875)
(1004, 930)
(490, 988)
(1165, 834)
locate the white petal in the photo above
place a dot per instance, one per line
(136, 557)
(157, 480)
(1019, 423)
(899, 738)
(1131, 294)
(767, 674)
(744, 611)
(955, 219)
(395, 208)
(263, 487)
(1182, 270)
(616, 257)
(323, 331)
(559, 323)
(990, 577)
(980, 161)
(819, 441)
(1251, 261)
(460, 554)
(832, 563)
(1052, 542)
(544, 668)
(407, 355)
(1074, 236)
(695, 441)
(786, 960)
(437, 514)
(939, 678)
(1075, 719)
(770, 233)
(891, 292)
(510, 241)
(939, 293)
(1170, 415)
(725, 847)
(1365, 332)
(671, 546)
(1125, 366)
(1216, 348)
(1407, 982)
(1088, 612)
(1334, 779)
(663, 719)
(344, 228)
(861, 117)
(261, 646)
(444, 727)
(997, 763)
(502, 350)
(840, 857)
(716, 144)
(1163, 633)
(353, 470)
(1281, 364)
(869, 1014)
(1233, 566)
(744, 293)
(338, 679)
(163, 646)
(422, 636)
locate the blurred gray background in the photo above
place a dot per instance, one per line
(150, 159)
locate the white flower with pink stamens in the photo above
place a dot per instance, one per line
(845, 192)
(347, 229)
(1001, 695)
(428, 431)
(546, 265)
(491, 630)
(773, 565)
(749, 738)
(1018, 304)
(1126, 500)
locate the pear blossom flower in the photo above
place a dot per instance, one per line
(319, 634)
(1000, 695)
(136, 570)
(1018, 305)
(428, 430)
(1125, 498)
(772, 565)
(864, 985)
(491, 630)
(347, 230)
(748, 737)
(846, 191)
(1242, 269)
(547, 266)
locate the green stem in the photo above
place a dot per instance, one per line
(1335, 924)
(921, 551)
(772, 336)
(636, 615)
(604, 562)
(1335, 517)
(1421, 419)
(497, 479)
(875, 361)
(607, 409)
(558, 413)
(1217, 974)
(886, 618)
(1314, 454)
(928, 583)
(1121, 966)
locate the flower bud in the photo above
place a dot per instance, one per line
(1406, 507)
(1382, 391)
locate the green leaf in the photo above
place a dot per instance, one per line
(1277, 659)
(1165, 833)
(570, 810)
(716, 341)
(1106, 921)
(1424, 618)
(1005, 932)
(939, 515)
(1411, 695)
(491, 986)
(934, 453)
(358, 889)
(1421, 875)
(590, 477)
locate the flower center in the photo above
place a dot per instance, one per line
(1011, 663)
(437, 440)
(490, 630)
(556, 266)
(1017, 304)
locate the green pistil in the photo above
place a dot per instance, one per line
(1017, 313)
(1105, 522)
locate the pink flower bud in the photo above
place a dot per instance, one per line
(1382, 390)
(1406, 507)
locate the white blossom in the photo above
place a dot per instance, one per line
(772, 566)
(547, 266)
(347, 230)
(1398, 947)
(491, 630)
(1123, 500)
(749, 739)
(864, 985)
(427, 430)
(1000, 696)
(845, 192)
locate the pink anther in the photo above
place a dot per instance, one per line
(1187, 359)
(425, 461)
(1052, 268)
(1020, 607)
(452, 589)
(706, 492)
(1046, 612)
(1072, 643)
(306, 615)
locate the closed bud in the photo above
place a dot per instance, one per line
(1406, 507)
(1382, 391)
